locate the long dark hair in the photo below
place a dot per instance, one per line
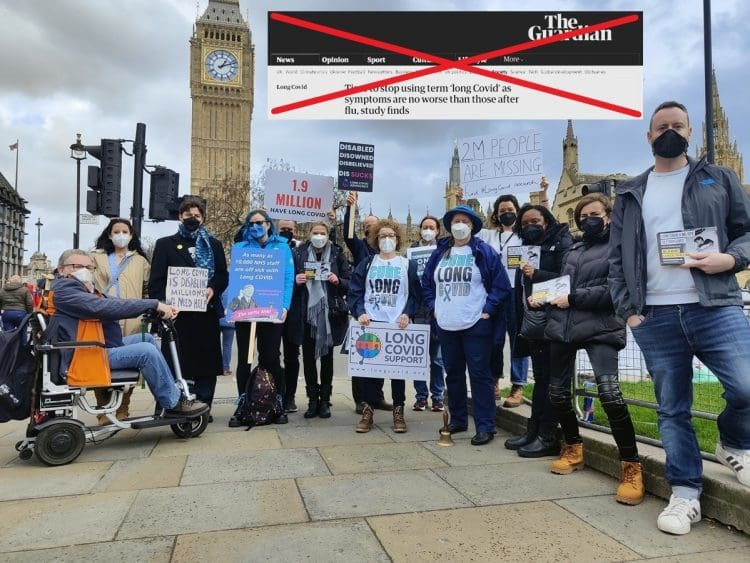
(105, 243)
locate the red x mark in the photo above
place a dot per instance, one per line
(447, 64)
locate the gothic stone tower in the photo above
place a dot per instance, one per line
(222, 59)
(725, 153)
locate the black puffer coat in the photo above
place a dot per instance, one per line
(591, 315)
(338, 314)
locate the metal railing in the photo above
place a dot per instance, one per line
(638, 390)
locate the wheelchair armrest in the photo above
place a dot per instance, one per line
(67, 345)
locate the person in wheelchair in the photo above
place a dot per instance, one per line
(74, 299)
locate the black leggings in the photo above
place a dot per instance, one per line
(603, 358)
(268, 337)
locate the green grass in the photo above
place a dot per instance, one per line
(707, 398)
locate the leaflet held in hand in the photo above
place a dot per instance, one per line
(317, 270)
(518, 256)
(547, 291)
(674, 246)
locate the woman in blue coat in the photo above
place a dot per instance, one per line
(466, 285)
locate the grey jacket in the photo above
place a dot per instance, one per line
(712, 196)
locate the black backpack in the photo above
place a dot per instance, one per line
(259, 404)
(17, 366)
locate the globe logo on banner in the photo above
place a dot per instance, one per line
(368, 345)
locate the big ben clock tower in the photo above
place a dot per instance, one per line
(221, 86)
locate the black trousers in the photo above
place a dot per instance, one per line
(311, 367)
(542, 411)
(291, 364)
(268, 337)
(603, 358)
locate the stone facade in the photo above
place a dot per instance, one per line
(13, 213)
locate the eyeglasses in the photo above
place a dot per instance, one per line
(79, 266)
(259, 223)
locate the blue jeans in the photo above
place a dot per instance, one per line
(463, 349)
(146, 357)
(669, 337)
(11, 319)
(519, 366)
(227, 338)
(437, 379)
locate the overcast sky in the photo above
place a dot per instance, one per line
(100, 66)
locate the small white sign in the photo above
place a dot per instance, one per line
(674, 246)
(518, 256)
(382, 350)
(186, 288)
(547, 291)
(86, 219)
(299, 197)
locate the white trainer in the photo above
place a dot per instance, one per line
(678, 515)
(736, 460)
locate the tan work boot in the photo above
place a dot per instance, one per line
(123, 411)
(365, 424)
(571, 459)
(631, 489)
(515, 397)
(399, 424)
(498, 393)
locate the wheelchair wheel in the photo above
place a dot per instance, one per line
(60, 443)
(192, 428)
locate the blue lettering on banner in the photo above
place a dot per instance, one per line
(454, 276)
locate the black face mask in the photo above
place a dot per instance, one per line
(286, 233)
(507, 219)
(592, 226)
(669, 144)
(191, 224)
(532, 234)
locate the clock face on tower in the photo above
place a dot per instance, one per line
(221, 65)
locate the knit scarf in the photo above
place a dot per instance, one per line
(317, 305)
(204, 255)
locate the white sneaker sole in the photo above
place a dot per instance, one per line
(728, 459)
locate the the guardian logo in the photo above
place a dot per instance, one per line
(557, 24)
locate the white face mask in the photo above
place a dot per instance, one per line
(84, 276)
(387, 245)
(121, 240)
(319, 241)
(428, 235)
(460, 231)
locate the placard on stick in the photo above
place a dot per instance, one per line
(356, 166)
(297, 196)
(186, 288)
(256, 284)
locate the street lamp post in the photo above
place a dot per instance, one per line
(78, 153)
(38, 226)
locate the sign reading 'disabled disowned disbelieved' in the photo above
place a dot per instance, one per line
(382, 350)
(495, 165)
(297, 196)
(356, 166)
(256, 284)
(186, 288)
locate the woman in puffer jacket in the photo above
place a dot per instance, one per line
(585, 319)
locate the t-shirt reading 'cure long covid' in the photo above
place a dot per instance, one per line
(460, 295)
(386, 288)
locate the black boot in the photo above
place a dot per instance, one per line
(532, 429)
(545, 444)
(324, 405)
(312, 402)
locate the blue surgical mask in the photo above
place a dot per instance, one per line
(257, 231)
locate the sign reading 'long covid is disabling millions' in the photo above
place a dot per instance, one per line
(382, 350)
(297, 196)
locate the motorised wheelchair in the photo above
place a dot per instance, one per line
(56, 434)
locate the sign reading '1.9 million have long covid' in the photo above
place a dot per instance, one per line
(297, 196)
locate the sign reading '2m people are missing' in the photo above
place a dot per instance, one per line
(484, 65)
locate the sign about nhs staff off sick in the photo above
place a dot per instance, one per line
(186, 288)
(382, 350)
(256, 284)
(299, 197)
(496, 165)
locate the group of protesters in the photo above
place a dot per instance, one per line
(472, 299)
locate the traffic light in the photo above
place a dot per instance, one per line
(606, 187)
(163, 199)
(105, 181)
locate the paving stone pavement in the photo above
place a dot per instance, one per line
(314, 490)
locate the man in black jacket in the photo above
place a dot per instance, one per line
(677, 312)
